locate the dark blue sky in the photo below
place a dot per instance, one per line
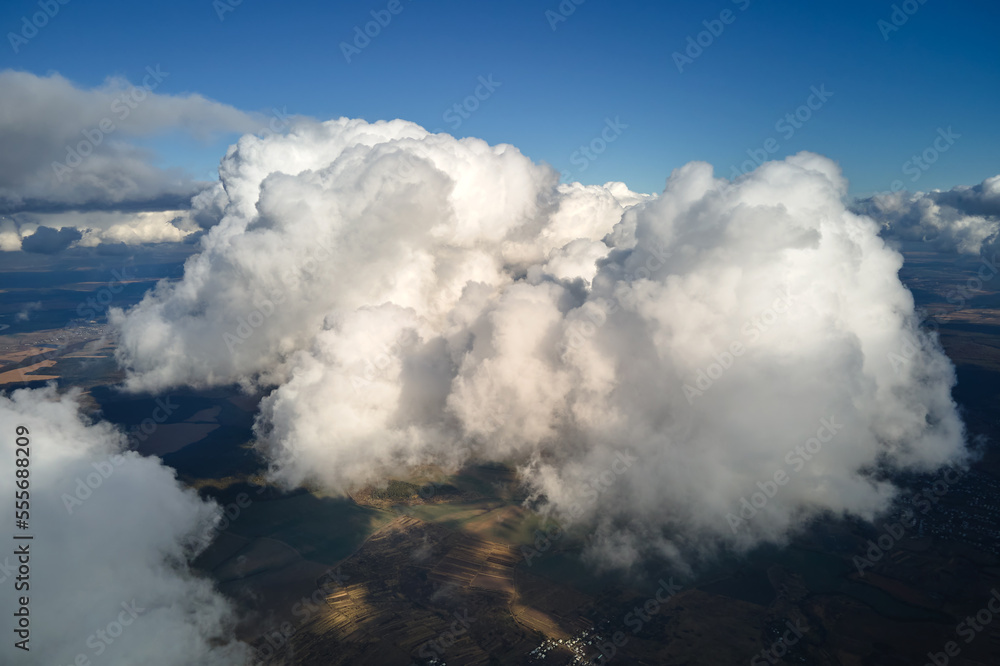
(557, 87)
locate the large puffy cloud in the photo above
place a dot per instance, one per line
(963, 219)
(381, 213)
(419, 299)
(115, 562)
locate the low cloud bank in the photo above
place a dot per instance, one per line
(963, 219)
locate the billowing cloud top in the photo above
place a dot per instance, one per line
(107, 568)
(647, 362)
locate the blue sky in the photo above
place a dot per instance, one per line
(558, 87)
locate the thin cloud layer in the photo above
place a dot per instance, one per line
(645, 362)
(71, 152)
(113, 533)
(963, 219)
(54, 232)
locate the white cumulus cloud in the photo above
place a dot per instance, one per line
(113, 533)
(963, 219)
(412, 298)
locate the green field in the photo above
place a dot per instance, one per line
(319, 528)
